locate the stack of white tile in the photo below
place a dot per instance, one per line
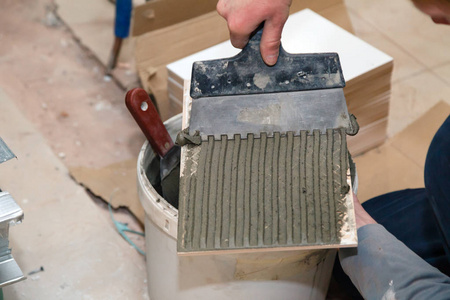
(367, 72)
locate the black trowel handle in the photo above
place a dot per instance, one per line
(144, 112)
(246, 73)
(253, 48)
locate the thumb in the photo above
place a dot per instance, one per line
(270, 42)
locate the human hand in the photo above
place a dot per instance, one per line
(361, 216)
(438, 10)
(244, 17)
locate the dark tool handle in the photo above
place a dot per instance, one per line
(144, 112)
(246, 73)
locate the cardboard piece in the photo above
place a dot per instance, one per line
(399, 164)
(155, 49)
(115, 184)
(158, 14)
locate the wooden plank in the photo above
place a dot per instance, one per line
(158, 14)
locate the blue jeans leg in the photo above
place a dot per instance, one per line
(437, 181)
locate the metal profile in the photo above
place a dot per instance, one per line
(5, 153)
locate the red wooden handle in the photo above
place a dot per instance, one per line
(144, 112)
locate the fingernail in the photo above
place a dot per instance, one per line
(271, 59)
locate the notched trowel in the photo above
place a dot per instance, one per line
(265, 165)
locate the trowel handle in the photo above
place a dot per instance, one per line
(255, 36)
(253, 46)
(144, 112)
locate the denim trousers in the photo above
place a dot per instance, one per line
(420, 218)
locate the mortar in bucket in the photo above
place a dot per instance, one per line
(272, 275)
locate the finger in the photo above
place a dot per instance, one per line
(441, 20)
(240, 30)
(270, 41)
(239, 40)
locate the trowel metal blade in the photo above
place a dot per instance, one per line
(269, 113)
(170, 175)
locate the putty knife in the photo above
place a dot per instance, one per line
(271, 171)
(144, 112)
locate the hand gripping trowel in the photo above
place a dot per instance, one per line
(265, 164)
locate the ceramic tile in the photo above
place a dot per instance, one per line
(412, 97)
(407, 27)
(404, 63)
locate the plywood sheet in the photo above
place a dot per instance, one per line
(413, 142)
(384, 170)
(408, 28)
(443, 72)
(399, 164)
(405, 63)
(413, 96)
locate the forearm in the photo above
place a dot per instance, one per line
(383, 266)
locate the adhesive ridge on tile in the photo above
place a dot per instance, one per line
(284, 191)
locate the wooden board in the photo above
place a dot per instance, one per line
(402, 157)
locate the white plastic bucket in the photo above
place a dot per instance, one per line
(272, 275)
